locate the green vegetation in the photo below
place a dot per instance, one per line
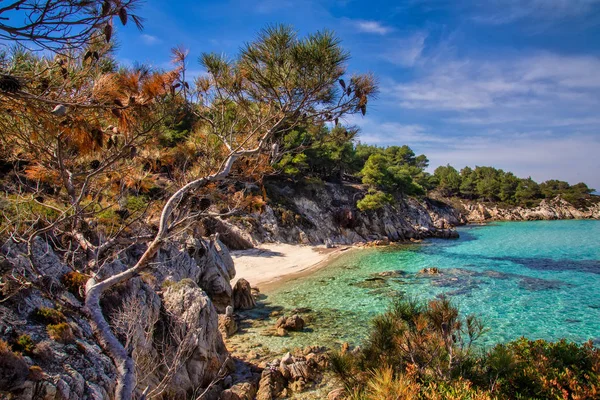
(49, 315)
(61, 332)
(491, 184)
(333, 155)
(75, 282)
(374, 200)
(426, 351)
(25, 344)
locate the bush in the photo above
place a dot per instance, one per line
(49, 315)
(24, 344)
(543, 369)
(75, 281)
(423, 351)
(35, 373)
(60, 332)
(374, 201)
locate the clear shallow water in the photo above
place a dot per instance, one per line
(536, 279)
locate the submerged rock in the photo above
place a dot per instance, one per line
(430, 271)
(293, 323)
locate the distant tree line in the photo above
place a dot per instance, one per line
(492, 184)
(331, 154)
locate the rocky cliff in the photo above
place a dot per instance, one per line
(325, 212)
(556, 208)
(166, 317)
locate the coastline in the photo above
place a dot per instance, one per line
(271, 264)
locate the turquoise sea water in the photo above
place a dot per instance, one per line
(535, 279)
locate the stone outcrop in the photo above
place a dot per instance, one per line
(243, 298)
(327, 213)
(169, 312)
(557, 208)
(239, 391)
(228, 326)
(293, 373)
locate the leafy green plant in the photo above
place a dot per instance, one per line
(75, 281)
(61, 332)
(25, 344)
(50, 315)
(374, 200)
(424, 351)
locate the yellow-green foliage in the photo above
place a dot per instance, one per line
(50, 315)
(374, 201)
(18, 213)
(422, 351)
(60, 332)
(25, 344)
(136, 204)
(74, 281)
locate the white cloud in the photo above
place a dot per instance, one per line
(507, 11)
(149, 39)
(533, 115)
(372, 27)
(540, 82)
(390, 133)
(406, 51)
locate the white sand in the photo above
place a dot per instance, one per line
(271, 262)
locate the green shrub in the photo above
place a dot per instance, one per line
(25, 344)
(60, 332)
(75, 281)
(49, 315)
(136, 204)
(425, 350)
(374, 201)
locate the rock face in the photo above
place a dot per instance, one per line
(327, 213)
(195, 319)
(242, 295)
(293, 373)
(227, 325)
(168, 315)
(557, 208)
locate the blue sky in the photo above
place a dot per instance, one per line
(510, 83)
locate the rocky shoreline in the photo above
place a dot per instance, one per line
(326, 214)
(191, 298)
(553, 209)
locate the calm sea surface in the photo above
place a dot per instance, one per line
(535, 279)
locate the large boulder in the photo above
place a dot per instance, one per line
(239, 391)
(271, 384)
(242, 295)
(194, 316)
(227, 325)
(206, 262)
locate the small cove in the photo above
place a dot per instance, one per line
(536, 279)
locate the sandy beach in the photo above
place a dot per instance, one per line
(271, 262)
